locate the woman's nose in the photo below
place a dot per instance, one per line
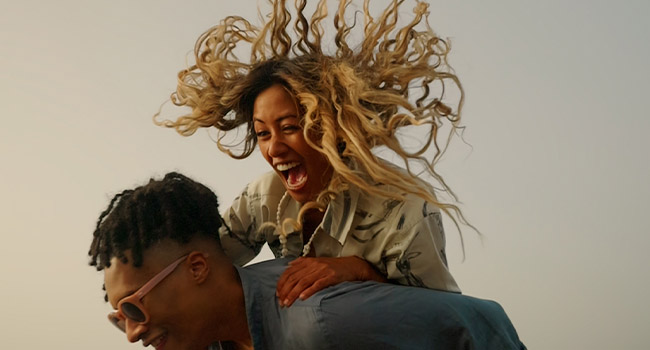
(277, 146)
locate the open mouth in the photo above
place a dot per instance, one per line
(294, 173)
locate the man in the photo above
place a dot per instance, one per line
(173, 287)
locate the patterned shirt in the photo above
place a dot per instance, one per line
(404, 240)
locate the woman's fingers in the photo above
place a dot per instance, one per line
(306, 276)
(293, 281)
(315, 287)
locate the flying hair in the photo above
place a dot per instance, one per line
(353, 96)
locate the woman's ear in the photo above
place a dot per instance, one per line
(199, 267)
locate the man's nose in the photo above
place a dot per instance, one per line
(277, 146)
(134, 330)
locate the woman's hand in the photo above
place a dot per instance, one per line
(306, 276)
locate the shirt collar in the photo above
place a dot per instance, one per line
(339, 215)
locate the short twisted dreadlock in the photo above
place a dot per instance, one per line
(175, 207)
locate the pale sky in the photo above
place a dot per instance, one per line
(556, 177)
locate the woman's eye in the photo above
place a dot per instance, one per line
(262, 133)
(290, 128)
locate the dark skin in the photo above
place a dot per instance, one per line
(307, 275)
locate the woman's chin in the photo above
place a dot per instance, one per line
(299, 196)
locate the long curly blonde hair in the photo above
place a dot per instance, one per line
(352, 100)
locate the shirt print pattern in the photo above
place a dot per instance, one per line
(404, 240)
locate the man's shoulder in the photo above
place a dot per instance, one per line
(381, 315)
(265, 270)
(394, 316)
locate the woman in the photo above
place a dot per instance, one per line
(316, 118)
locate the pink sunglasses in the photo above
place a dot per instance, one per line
(131, 306)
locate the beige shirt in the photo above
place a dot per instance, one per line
(404, 240)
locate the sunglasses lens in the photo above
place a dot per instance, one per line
(133, 312)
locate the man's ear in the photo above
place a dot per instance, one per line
(199, 267)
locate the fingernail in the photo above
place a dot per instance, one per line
(302, 297)
(286, 302)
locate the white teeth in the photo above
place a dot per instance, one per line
(285, 167)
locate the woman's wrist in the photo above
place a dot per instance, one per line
(367, 272)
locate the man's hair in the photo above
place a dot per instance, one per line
(175, 207)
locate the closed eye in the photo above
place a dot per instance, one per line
(290, 128)
(262, 134)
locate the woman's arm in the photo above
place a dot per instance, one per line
(410, 250)
(418, 257)
(306, 276)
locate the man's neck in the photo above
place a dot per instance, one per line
(232, 329)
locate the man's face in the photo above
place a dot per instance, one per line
(170, 325)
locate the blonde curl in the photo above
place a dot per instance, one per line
(357, 96)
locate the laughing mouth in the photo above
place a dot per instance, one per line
(294, 173)
(285, 167)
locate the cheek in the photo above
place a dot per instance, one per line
(301, 146)
(317, 161)
(323, 164)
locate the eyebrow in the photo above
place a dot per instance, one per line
(276, 120)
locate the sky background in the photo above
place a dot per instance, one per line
(556, 177)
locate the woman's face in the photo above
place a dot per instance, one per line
(304, 171)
